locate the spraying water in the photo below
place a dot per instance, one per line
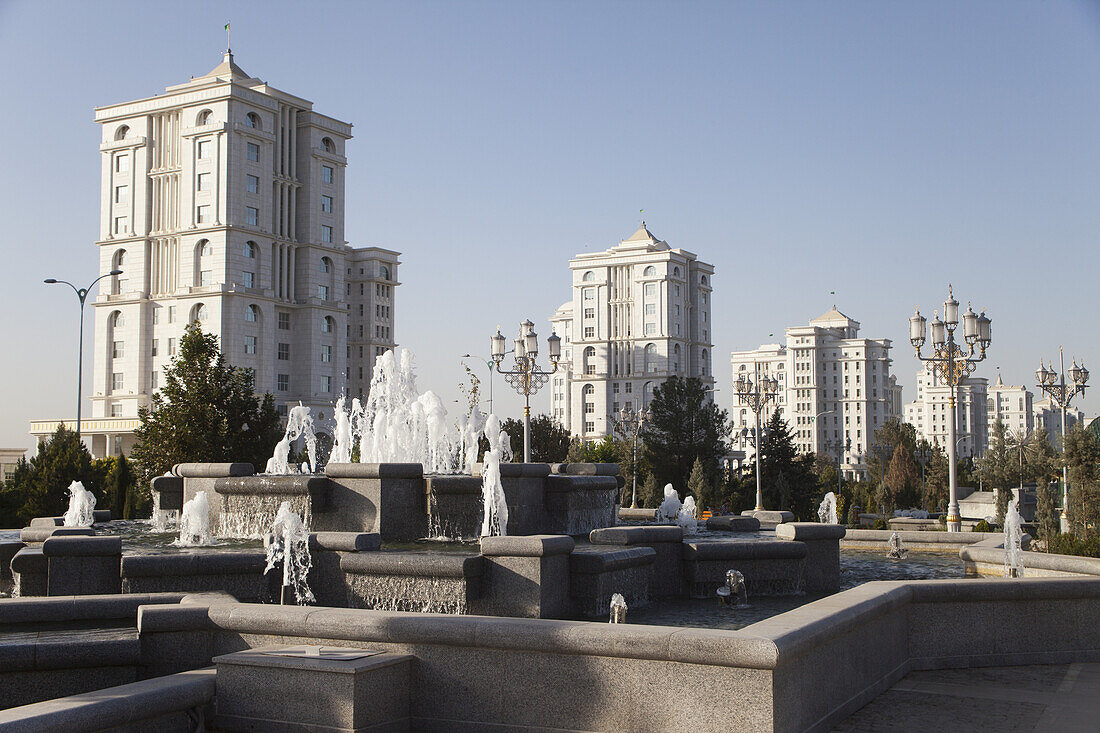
(734, 593)
(289, 544)
(469, 429)
(686, 517)
(895, 550)
(669, 511)
(495, 521)
(1014, 535)
(298, 424)
(618, 609)
(81, 512)
(341, 447)
(826, 513)
(195, 522)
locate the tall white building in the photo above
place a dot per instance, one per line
(223, 202)
(640, 313)
(1049, 417)
(930, 413)
(834, 387)
(1012, 405)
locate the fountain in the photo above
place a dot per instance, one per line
(669, 511)
(733, 593)
(686, 517)
(618, 609)
(298, 424)
(495, 520)
(289, 544)
(1014, 534)
(195, 522)
(81, 512)
(342, 434)
(896, 551)
(826, 513)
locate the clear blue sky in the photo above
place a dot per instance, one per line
(878, 149)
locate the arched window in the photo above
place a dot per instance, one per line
(328, 145)
(590, 360)
(204, 117)
(588, 276)
(384, 272)
(252, 313)
(676, 272)
(703, 363)
(651, 357)
(122, 132)
(676, 358)
(199, 312)
(649, 271)
(326, 264)
(203, 248)
(253, 120)
(703, 279)
(648, 392)
(119, 259)
(589, 389)
(118, 282)
(250, 250)
(328, 324)
(116, 320)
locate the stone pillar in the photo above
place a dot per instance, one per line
(387, 498)
(666, 573)
(525, 576)
(79, 566)
(821, 573)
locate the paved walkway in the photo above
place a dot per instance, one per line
(1062, 698)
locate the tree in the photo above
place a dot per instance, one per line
(683, 425)
(998, 469)
(651, 494)
(549, 440)
(901, 485)
(118, 489)
(937, 479)
(787, 480)
(1047, 521)
(1082, 456)
(699, 486)
(39, 487)
(207, 411)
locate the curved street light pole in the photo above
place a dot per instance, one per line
(1061, 394)
(81, 295)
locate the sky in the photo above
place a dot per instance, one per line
(878, 150)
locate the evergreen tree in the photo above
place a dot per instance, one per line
(39, 487)
(787, 481)
(937, 479)
(903, 479)
(998, 469)
(684, 425)
(1047, 519)
(549, 440)
(699, 486)
(650, 493)
(1082, 456)
(206, 412)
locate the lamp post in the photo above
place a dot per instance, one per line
(757, 393)
(631, 422)
(1062, 394)
(952, 363)
(526, 378)
(81, 295)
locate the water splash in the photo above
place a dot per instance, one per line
(81, 512)
(469, 429)
(734, 593)
(618, 609)
(195, 522)
(289, 544)
(686, 517)
(1014, 535)
(826, 513)
(495, 521)
(299, 424)
(342, 434)
(669, 511)
(895, 549)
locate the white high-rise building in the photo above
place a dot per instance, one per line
(1012, 405)
(834, 387)
(223, 202)
(930, 413)
(1049, 417)
(640, 313)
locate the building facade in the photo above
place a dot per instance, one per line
(640, 312)
(930, 412)
(223, 203)
(1012, 405)
(1048, 416)
(835, 389)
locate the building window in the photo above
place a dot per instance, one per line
(251, 312)
(116, 410)
(253, 120)
(649, 271)
(650, 290)
(250, 344)
(326, 353)
(254, 152)
(252, 216)
(650, 329)
(589, 293)
(326, 204)
(589, 332)
(284, 352)
(253, 183)
(326, 234)
(589, 312)
(328, 324)
(122, 194)
(589, 408)
(283, 382)
(651, 309)
(204, 182)
(284, 321)
(120, 224)
(326, 174)
(154, 380)
(122, 163)
(322, 292)
(248, 279)
(204, 149)
(171, 347)
(206, 277)
(590, 427)
(204, 214)
(326, 383)
(117, 380)
(155, 348)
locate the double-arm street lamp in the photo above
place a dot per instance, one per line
(631, 422)
(757, 393)
(1062, 394)
(952, 363)
(81, 295)
(526, 378)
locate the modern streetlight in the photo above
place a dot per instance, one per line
(952, 363)
(1062, 394)
(757, 393)
(82, 295)
(631, 422)
(526, 378)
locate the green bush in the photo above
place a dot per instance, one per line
(880, 524)
(853, 517)
(984, 526)
(1067, 544)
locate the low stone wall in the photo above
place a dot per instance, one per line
(821, 569)
(667, 541)
(413, 581)
(770, 568)
(987, 558)
(916, 540)
(240, 574)
(597, 572)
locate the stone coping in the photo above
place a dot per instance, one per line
(198, 562)
(645, 535)
(523, 470)
(262, 657)
(67, 650)
(453, 484)
(585, 469)
(950, 540)
(99, 516)
(345, 541)
(82, 546)
(212, 470)
(535, 545)
(417, 564)
(580, 483)
(744, 550)
(809, 531)
(289, 485)
(639, 514)
(29, 560)
(767, 515)
(1074, 564)
(594, 560)
(374, 470)
(78, 608)
(733, 523)
(119, 706)
(41, 534)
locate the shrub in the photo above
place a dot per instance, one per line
(984, 526)
(853, 516)
(880, 524)
(1067, 544)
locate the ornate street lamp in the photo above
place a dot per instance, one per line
(526, 378)
(952, 363)
(757, 393)
(631, 422)
(81, 295)
(1062, 394)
